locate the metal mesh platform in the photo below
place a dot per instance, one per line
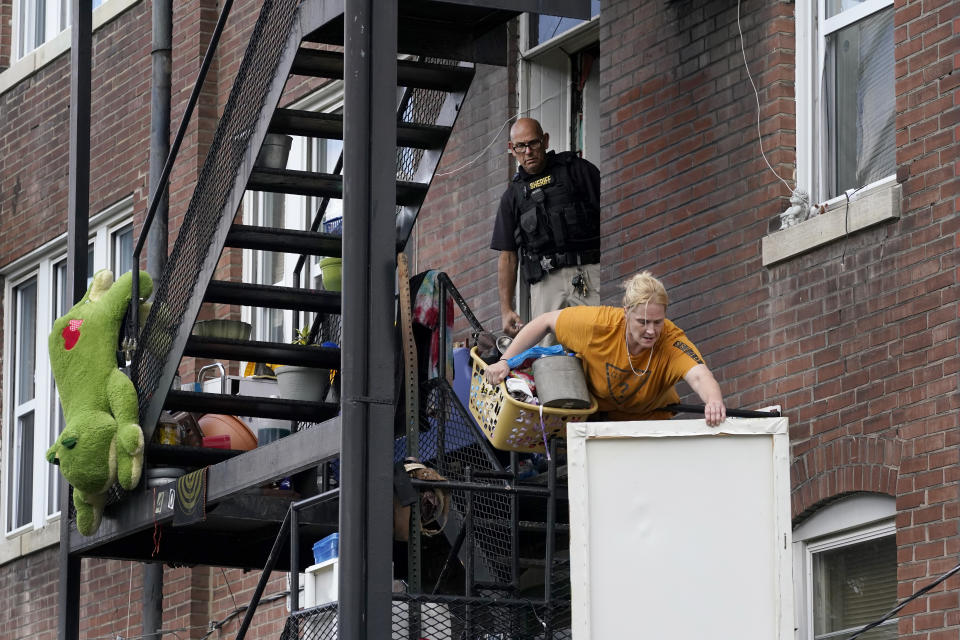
(447, 618)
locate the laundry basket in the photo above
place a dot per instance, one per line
(512, 425)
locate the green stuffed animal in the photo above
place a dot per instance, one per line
(102, 442)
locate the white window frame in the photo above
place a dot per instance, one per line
(298, 214)
(854, 519)
(812, 31)
(871, 204)
(554, 111)
(43, 530)
(56, 18)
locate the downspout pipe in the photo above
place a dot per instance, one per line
(160, 55)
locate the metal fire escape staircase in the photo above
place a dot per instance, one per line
(301, 39)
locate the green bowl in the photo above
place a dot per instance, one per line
(331, 270)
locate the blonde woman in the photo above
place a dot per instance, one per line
(632, 356)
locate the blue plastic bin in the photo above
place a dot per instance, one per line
(326, 548)
(334, 226)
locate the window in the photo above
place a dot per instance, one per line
(845, 567)
(40, 20)
(559, 79)
(36, 293)
(20, 479)
(854, 583)
(291, 212)
(845, 95)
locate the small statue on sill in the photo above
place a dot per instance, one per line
(799, 210)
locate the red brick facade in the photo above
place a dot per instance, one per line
(857, 340)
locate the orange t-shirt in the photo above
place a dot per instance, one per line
(598, 335)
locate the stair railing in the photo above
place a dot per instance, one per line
(132, 330)
(289, 525)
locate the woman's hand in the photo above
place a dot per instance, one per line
(497, 372)
(705, 385)
(714, 412)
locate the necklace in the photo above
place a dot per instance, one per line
(626, 344)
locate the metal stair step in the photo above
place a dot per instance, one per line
(272, 297)
(320, 185)
(312, 243)
(256, 351)
(330, 126)
(418, 75)
(278, 408)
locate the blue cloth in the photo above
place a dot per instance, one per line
(520, 360)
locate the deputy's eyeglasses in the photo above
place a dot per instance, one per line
(523, 147)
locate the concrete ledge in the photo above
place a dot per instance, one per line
(880, 203)
(30, 541)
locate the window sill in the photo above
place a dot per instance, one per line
(58, 45)
(30, 541)
(876, 204)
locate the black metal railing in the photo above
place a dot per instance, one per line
(133, 320)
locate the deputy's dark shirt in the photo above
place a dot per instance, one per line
(583, 173)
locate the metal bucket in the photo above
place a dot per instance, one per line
(274, 151)
(561, 383)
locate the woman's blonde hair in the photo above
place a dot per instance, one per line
(643, 288)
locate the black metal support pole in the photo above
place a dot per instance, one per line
(469, 554)
(78, 207)
(551, 537)
(515, 528)
(152, 600)
(369, 279)
(78, 232)
(294, 560)
(68, 609)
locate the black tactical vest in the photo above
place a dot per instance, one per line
(556, 221)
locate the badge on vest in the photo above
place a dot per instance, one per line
(540, 182)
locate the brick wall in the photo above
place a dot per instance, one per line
(921, 301)
(111, 599)
(685, 191)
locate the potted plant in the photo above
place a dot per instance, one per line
(302, 383)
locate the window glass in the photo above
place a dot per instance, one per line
(860, 101)
(836, 7)
(20, 465)
(21, 469)
(544, 27)
(122, 251)
(854, 585)
(26, 340)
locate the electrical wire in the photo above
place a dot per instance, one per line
(756, 94)
(900, 606)
(496, 136)
(229, 588)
